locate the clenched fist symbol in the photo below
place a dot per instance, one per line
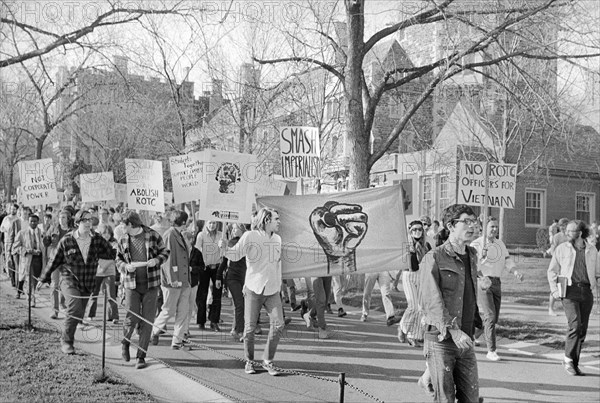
(339, 228)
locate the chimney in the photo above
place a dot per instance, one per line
(216, 96)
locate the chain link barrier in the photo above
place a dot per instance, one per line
(188, 343)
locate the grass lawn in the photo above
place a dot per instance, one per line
(34, 369)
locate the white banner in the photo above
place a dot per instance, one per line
(228, 192)
(340, 233)
(300, 152)
(186, 174)
(38, 185)
(95, 187)
(501, 183)
(144, 185)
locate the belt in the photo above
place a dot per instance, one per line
(581, 285)
(212, 266)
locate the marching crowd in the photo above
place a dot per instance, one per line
(178, 269)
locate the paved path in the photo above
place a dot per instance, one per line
(368, 353)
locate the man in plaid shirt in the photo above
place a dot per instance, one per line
(141, 253)
(77, 256)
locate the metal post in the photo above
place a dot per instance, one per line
(342, 380)
(485, 209)
(29, 326)
(104, 329)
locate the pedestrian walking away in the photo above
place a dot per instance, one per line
(572, 275)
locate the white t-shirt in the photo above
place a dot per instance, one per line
(263, 261)
(496, 259)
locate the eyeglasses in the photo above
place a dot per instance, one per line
(85, 220)
(468, 221)
(416, 229)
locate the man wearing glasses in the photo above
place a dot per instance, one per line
(77, 255)
(448, 300)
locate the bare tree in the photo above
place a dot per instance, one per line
(485, 23)
(67, 25)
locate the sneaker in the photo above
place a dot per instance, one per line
(125, 352)
(295, 307)
(570, 368)
(363, 318)
(392, 320)
(186, 338)
(201, 326)
(287, 321)
(115, 321)
(249, 369)
(329, 310)
(306, 318)
(154, 339)
(325, 334)
(341, 313)
(476, 343)
(268, 365)
(401, 335)
(414, 342)
(67, 348)
(426, 386)
(54, 315)
(176, 346)
(141, 363)
(215, 327)
(492, 356)
(258, 330)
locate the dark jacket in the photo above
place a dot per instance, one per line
(177, 266)
(232, 270)
(442, 286)
(197, 265)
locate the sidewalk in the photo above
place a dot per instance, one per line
(164, 383)
(367, 352)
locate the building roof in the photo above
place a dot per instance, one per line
(463, 128)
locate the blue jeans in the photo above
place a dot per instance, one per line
(252, 304)
(318, 291)
(578, 306)
(453, 371)
(489, 308)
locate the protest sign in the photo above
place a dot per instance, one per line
(95, 187)
(168, 198)
(186, 174)
(37, 182)
(120, 193)
(268, 185)
(300, 152)
(501, 184)
(330, 234)
(144, 185)
(228, 190)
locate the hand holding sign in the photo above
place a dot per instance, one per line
(339, 229)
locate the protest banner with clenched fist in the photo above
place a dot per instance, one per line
(339, 229)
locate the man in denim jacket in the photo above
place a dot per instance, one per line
(448, 300)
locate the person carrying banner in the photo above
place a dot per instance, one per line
(493, 259)
(76, 257)
(577, 263)
(262, 249)
(448, 300)
(385, 280)
(141, 253)
(318, 290)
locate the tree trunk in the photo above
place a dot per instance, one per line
(358, 140)
(39, 146)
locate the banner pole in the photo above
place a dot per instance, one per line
(485, 209)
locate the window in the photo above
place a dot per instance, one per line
(444, 192)
(427, 196)
(585, 207)
(334, 146)
(396, 109)
(534, 207)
